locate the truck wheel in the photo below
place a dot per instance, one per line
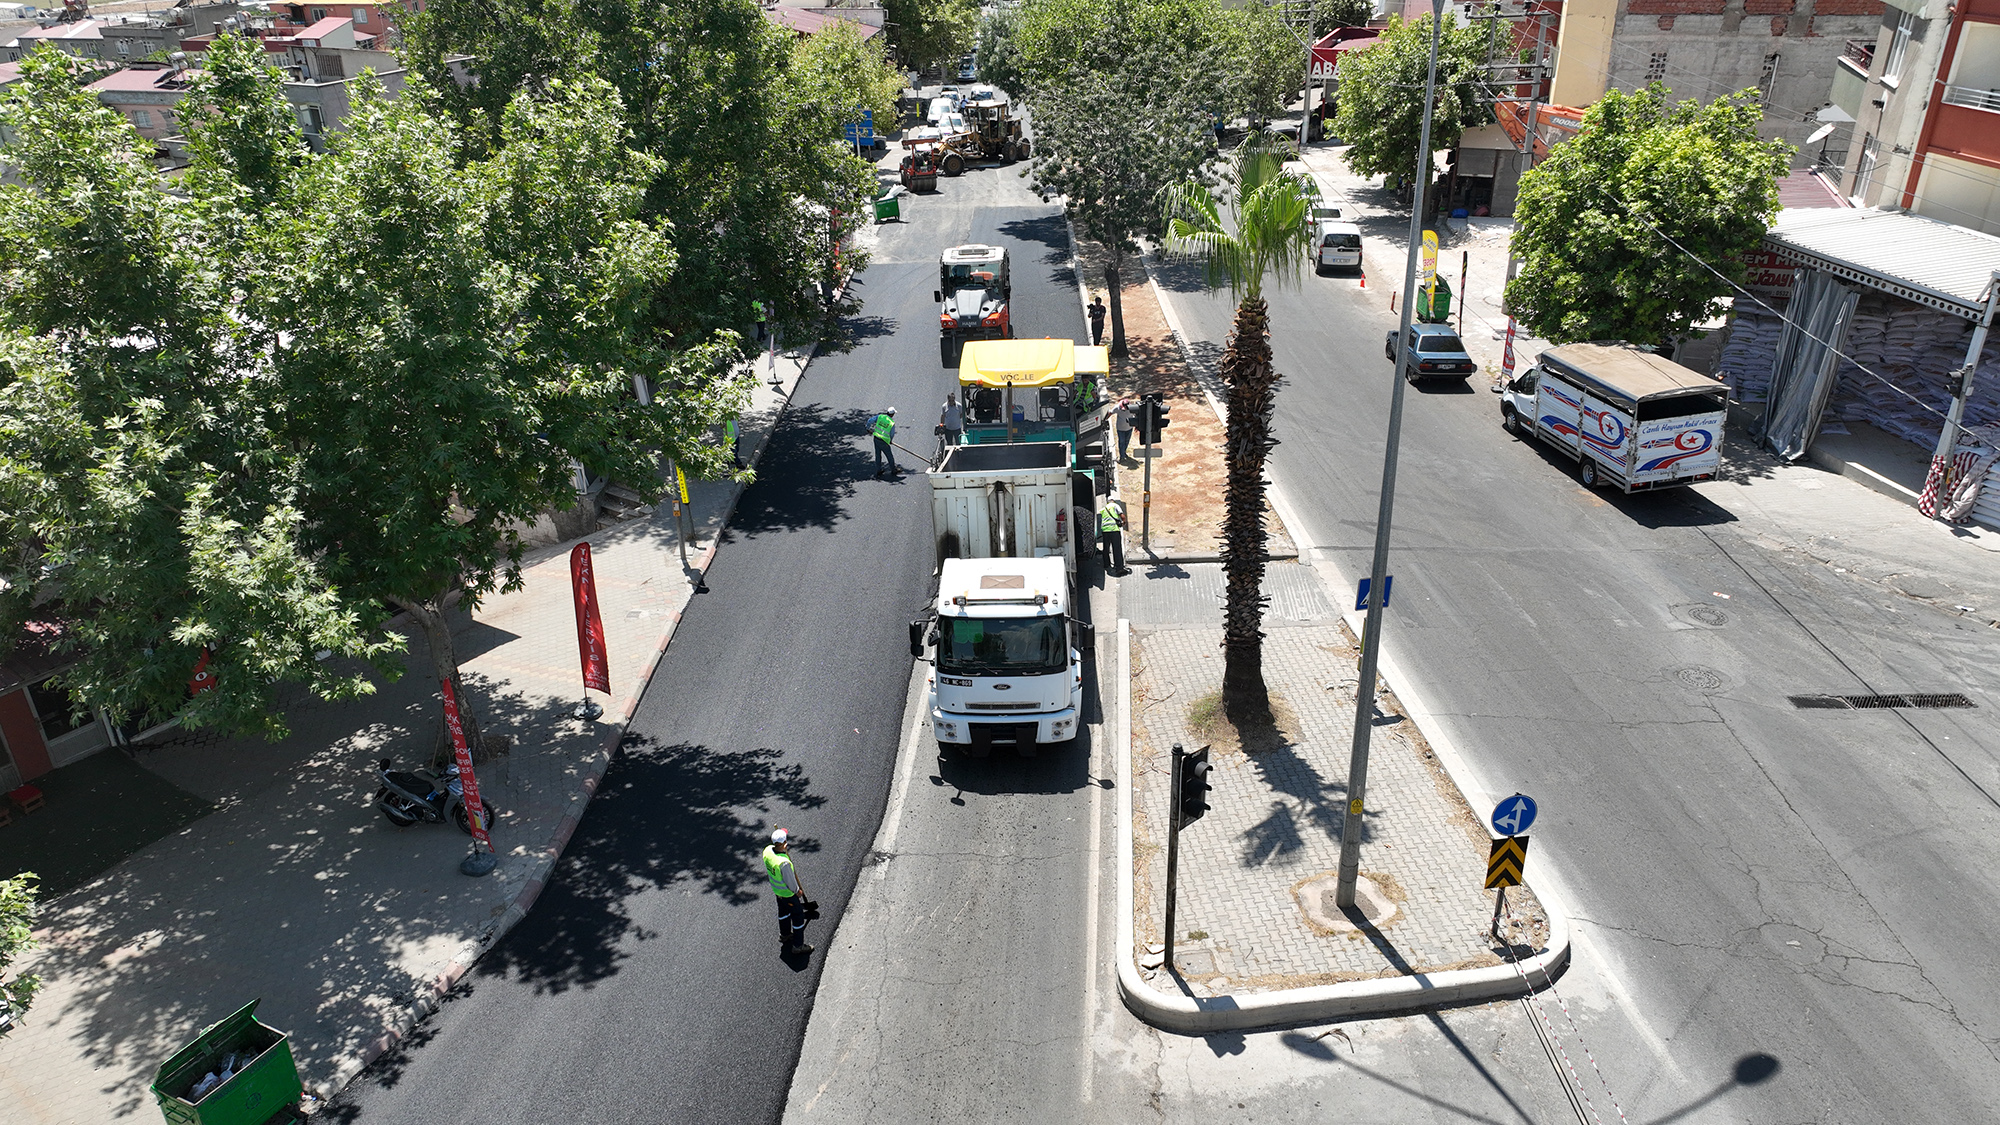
(1021, 150)
(1588, 472)
(947, 355)
(1510, 421)
(952, 164)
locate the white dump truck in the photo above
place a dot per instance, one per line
(1632, 419)
(1003, 637)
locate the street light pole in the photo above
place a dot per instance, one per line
(1371, 629)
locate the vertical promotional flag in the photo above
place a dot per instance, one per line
(589, 624)
(474, 810)
(1507, 354)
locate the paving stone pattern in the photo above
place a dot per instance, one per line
(1275, 821)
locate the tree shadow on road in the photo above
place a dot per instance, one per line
(807, 472)
(665, 816)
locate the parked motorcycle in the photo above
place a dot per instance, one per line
(406, 798)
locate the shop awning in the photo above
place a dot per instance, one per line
(1936, 264)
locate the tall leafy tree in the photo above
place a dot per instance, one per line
(1268, 59)
(1628, 230)
(838, 70)
(1260, 231)
(749, 175)
(1000, 52)
(141, 485)
(1382, 94)
(465, 333)
(1110, 141)
(930, 31)
(1330, 14)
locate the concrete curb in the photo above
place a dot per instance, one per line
(1195, 1015)
(431, 996)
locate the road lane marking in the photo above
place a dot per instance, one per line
(906, 761)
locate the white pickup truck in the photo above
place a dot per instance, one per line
(1632, 419)
(1002, 637)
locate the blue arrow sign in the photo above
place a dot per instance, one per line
(1512, 816)
(1361, 598)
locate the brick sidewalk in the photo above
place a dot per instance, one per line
(1275, 822)
(297, 892)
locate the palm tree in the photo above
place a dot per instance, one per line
(1269, 210)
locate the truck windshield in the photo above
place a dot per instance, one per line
(1003, 646)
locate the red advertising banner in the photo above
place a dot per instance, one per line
(589, 624)
(1507, 354)
(463, 753)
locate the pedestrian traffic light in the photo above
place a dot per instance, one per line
(1154, 416)
(1194, 786)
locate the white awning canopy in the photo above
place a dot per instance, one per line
(1923, 260)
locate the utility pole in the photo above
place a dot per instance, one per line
(1371, 630)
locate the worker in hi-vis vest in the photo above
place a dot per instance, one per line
(885, 432)
(793, 904)
(1110, 539)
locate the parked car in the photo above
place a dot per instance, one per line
(1438, 352)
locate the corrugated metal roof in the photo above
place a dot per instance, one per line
(1932, 263)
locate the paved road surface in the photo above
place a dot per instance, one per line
(647, 985)
(1754, 882)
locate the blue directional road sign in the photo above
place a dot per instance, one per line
(1512, 816)
(1361, 598)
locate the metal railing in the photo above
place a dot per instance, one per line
(1860, 52)
(1973, 98)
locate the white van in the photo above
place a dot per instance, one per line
(1336, 244)
(1631, 418)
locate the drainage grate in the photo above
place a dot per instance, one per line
(1879, 702)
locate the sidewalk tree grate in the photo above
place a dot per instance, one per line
(1880, 702)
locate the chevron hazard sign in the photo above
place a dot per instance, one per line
(1503, 867)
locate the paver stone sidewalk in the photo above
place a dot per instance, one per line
(299, 894)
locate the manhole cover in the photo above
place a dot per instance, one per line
(1700, 678)
(1705, 615)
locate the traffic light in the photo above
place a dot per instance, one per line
(1154, 416)
(1194, 786)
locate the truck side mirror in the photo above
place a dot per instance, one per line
(916, 638)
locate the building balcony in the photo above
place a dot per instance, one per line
(1973, 98)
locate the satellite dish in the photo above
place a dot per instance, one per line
(1821, 133)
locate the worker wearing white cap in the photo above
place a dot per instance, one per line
(884, 431)
(793, 904)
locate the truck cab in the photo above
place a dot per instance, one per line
(973, 293)
(1005, 666)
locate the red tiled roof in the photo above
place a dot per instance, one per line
(808, 22)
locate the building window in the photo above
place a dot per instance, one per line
(1656, 67)
(360, 15)
(1768, 77)
(318, 14)
(142, 118)
(1899, 46)
(53, 707)
(309, 119)
(124, 46)
(1865, 170)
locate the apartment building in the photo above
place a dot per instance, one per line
(1923, 90)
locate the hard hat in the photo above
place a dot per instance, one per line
(779, 835)
(891, 412)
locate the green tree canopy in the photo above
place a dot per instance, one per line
(142, 483)
(931, 31)
(1330, 14)
(1382, 95)
(17, 939)
(748, 160)
(837, 70)
(1623, 230)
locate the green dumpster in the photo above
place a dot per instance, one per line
(887, 208)
(1434, 308)
(262, 1083)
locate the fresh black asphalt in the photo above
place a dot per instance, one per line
(647, 984)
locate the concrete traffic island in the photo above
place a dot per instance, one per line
(1260, 941)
